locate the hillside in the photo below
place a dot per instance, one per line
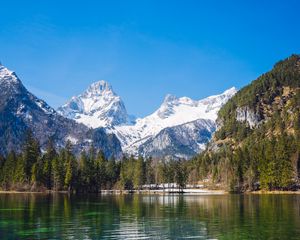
(256, 144)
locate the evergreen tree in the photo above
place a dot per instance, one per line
(8, 170)
(71, 168)
(31, 154)
(139, 173)
(49, 157)
(180, 174)
(19, 173)
(112, 171)
(58, 170)
(149, 178)
(100, 171)
(284, 172)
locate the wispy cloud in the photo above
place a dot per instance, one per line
(51, 98)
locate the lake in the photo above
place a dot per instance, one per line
(60, 216)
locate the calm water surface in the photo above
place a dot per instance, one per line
(59, 216)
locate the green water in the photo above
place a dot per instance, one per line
(59, 216)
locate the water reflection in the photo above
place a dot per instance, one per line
(60, 216)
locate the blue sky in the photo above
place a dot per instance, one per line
(145, 49)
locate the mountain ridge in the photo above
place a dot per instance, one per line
(173, 112)
(21, 111)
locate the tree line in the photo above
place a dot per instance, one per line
(34, 170)
(268, 158)
(259, 164)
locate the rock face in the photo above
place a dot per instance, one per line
(245, 114)
(99, 106)
(182, 141)
(20, 111)
(262, 106)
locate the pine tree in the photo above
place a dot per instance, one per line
(112, 171)
(180, 174)
(100, 171)
(31, 154)
(71, 168)
(19, 173)
(8, 170)
(139, 173)
(267, 166)
(284, 167)
(58, 170)
(149, 178)
(49, 157)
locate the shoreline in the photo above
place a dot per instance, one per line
(261, 192)
(126, 192)
(200, 192)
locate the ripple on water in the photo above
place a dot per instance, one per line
(133, 217)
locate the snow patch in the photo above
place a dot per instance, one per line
(73, 140)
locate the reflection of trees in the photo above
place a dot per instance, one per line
(156, 216)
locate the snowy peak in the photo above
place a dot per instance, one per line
(100, 88)
(7, 76)
(12, 89)
(10, 84)
(171, 102)
(170, 99)
(195, 109)
(226, 95)
(98, 106)
(230, 92)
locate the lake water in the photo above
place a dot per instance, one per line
(59, 216)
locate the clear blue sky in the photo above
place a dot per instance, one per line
(145, 49)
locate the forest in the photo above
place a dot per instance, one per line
(263, 154)
(32, 170)
(268, 164)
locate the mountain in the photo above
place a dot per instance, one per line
(181, 141)
(257, 142)
(21, 111)
(98, 106)
(173, 113)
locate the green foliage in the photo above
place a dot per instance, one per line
(71, 168)
(180, 172)
(265, 155)
(31, 154)
(139, 173)
(256, 95)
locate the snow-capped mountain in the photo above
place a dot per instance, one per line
(174, 112)
(183, 122)
(20, 111)
(182, 141)
(98, 106)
